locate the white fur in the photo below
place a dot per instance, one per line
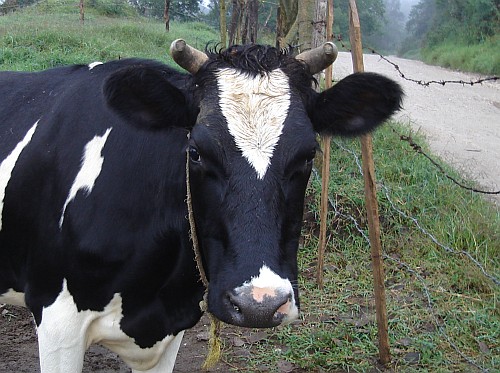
(8, 164)
(268, 279)
(13, 297)
(89, 171)
(65, 334)
(255, 110)
(94, 64)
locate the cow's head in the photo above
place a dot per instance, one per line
(250, 152)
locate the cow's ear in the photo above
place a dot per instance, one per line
(142, 96)
(355, 105)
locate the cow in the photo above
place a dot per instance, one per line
(94, 234)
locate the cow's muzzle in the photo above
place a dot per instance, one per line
(257, 307)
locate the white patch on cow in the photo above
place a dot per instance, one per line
(273, 283)
(267, 278)
(13, 297)
(65, 334)
(94, 64)
(255, 109)
(90, 169)
(8, 164)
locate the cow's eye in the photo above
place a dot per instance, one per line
(194, 156)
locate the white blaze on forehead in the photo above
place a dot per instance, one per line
(8, 164)
(255, 109)
(89, 171)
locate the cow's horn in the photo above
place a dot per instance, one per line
(319, 58)
(187, 57)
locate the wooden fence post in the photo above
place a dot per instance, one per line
(325, 165)
(371, 199)
(82, 12)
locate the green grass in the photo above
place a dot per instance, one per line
(482, 58)
(337, 329)
(50, 35)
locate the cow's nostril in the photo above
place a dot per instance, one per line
(259, 307)
(233, 301)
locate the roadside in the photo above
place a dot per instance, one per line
(461, 122)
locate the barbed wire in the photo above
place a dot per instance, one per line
(448, 249)
(424, 83)
(418, 149)
(408, 268)
(402, 264)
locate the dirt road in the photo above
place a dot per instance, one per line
(461, 123)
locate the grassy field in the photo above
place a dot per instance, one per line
(482, 58)
(50, 35)
(441, 243)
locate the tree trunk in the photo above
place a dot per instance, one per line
(286, 25)
(234, 26)
(253, 20)
(166, 15)
(319, 29)
(82, 13)
(305, 17)
(319, 23)
(223, 23)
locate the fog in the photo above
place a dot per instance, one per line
(406, 6)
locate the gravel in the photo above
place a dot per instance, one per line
(460, 122)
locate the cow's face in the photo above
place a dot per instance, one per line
(250, 155)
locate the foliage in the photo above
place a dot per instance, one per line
(482, 57)
(59, 38)
(390, 35)
(371, 16)
(180, 10)
(435, 23)
(8, 6)
(110, 8)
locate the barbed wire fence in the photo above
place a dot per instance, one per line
(408, 138)
(424, 83)
(417, 148)
(338, 213)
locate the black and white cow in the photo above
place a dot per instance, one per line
(93, 218)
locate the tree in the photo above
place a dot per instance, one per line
(286, 28)
(434, 22)
(179, 10)
(243, 27)
(185, 10)
(392, 32)
(295, 20)
(305, 16)
(371, 16)
(166, 15)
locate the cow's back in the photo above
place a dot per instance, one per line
(92, 200)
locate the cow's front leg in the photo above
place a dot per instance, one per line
(62, 335)
(167, 360)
